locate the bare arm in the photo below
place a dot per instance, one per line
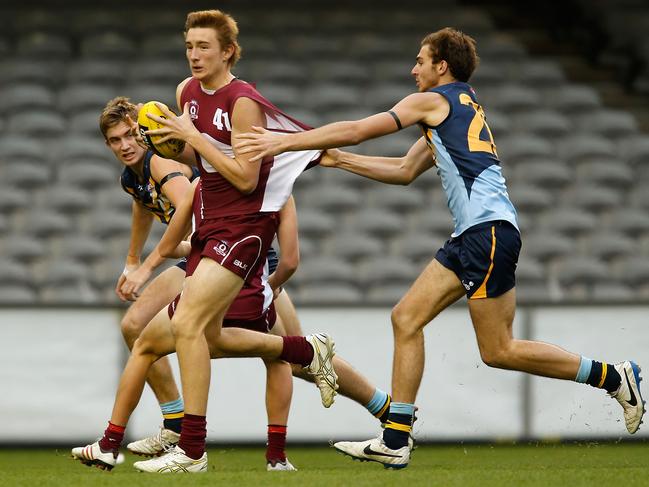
(287, 238)
(141, 221)
(171, 244)
(391, 170)
(431, 108)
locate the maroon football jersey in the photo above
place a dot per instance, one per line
(211, 112)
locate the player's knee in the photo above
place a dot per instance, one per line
(496, 357)
(404, 323)
(142, 346)
(131, 329)
(182, 329)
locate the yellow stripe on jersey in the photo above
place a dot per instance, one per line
(482, 290)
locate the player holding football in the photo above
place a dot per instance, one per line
(480, 258)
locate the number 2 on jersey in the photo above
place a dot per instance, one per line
(476, 144)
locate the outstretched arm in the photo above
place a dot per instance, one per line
(391, 170)
(431, 108)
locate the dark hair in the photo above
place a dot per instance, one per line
(115, 112)
(224, 25)
(456, 48)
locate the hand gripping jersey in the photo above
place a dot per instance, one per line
(148, 192)
(467, 161)
(211, 112)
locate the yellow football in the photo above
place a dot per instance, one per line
(169, 149)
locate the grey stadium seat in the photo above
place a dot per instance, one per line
(100, 71)
(339, 72)
(530, 198)
(44, 46)
(384, 96)
(37, 123)
(613, 291)
(530, 271)
(142, 93)
(487, 76)
(578, 269)
(522, 146)
(515, 98)
(15, 273)
(330, 96)
(386, 294)
(394, 145)
(108, 45)
(165, 46)
(610, 123)
(377, 221)
(286, 97)
(22, 97)
(546, 123)
(435, 220)
(315, 223)
(83, 96)
(568, 220)
(396, 198)
(69, 294)
(108, 225)
(353, 246)
(418, 246)
(325, 269)
(502, 46)
(10, 294)
(85, 123)
(608, 171)
(605, 245)
(92, 176)
(12, 199)
(633, 270)
(630, 221)
(22, 248)
(43, 73)
(281, 72)
(583, 147)
(593, 197)
(572, 99)
(386, 269)
(68, 198)
(82, 248)
(499, 123)
(333, 199)
(328, 294)
(541, 74)
(634, 149)
(26, 175)
(548, 173)
(542, 245)
(86, 150)
(43, 223)
(17, 148)
(115, 199)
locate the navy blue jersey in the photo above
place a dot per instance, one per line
(467, 161)
(148, 192)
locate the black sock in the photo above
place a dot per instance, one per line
(604, 376)
(174, 424)
(397, 430)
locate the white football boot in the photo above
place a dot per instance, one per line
(375, 450)
(92, 455)
(156, 445)
(174, 461)
(628, 395)
(284, 466)
(321, 367)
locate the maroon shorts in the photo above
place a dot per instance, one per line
(263, 323)
(238, 243)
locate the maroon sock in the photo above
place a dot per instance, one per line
(276, 443)
(192, 435)
(297, 350)
(112, 438)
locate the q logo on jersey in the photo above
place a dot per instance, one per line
(193, 110)
(221, 248)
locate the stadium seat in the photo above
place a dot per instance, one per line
(499, 123)
(80, 97)
(22, 248)
(530, 271)
(579, 269)
(435, 220)
(604, 245)
(90, 176)
(377, 222)
(81, 248)
(280, 72)
(91, 150)
(515, 98)
(325, 270)
(346, 72)
(386, 294)
(26, 175)
(38, 123)
(108, 45)
(529, 198)
(540, 74)
(574, 99)
(583, 147)
(44, 46)
(285, 97)
(386, 269)
(547, 173)
(141, 93)
(327, 294)
(630, 221)
(609, 123)
(109, 225)
(69, 294)
(384, 96)
(44, 73)
(306, 47)
(13, 198)
(115, 199)
(612, 292)
(418, 246)
(634, 148)
(395, 145)
(543, 245)
(607, 171)
(111, 72)
(395, 198)
(330, 96)
(633, 270)
(333, 199)
(68, 198)
(352, 246)
(15, 273)
(497, 47)
(593, 197)
(545, 123)
(43, 222)
(314, 223)
(569, 221)
(19, 149)
(12, 294)
(515, 148)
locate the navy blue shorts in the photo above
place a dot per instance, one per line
(484, 257)
(271, 256)
(182, 264)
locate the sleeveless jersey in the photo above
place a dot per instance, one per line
(256, 295)
(211, 112)
(148, 192)
(467, 161)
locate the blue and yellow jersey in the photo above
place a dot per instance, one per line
(148, 192)
(467, 161)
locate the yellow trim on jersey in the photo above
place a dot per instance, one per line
(482, 290)
(174, 415)
(604, 370)
(398, 426)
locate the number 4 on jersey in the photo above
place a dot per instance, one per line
(221, 118)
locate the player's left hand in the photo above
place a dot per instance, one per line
(134, 281)
(180, 127)
(260, 140)
(330, 158)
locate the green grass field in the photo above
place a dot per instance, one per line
(480, 465)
